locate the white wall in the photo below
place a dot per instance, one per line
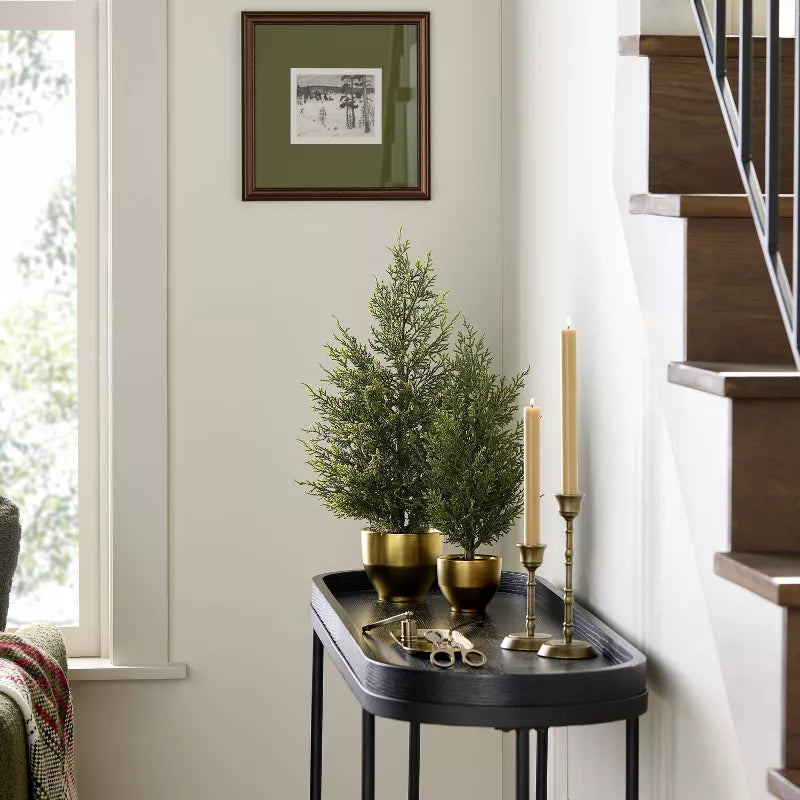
(667, 16)
(675, 17)
(252, 287)
(252, 290)
(652, 456)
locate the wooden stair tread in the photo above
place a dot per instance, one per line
(774, 576)
(654, 45)
(784, 783)
(702, 205)
(759, 381)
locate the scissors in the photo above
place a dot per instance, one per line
(444, 650)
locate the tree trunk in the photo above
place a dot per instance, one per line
(469, 555)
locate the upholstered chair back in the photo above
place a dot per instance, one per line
(10, 533)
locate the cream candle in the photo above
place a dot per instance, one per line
(569, 411)
(532, 442)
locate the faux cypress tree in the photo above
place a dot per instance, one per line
(377, 401)
(475, 450)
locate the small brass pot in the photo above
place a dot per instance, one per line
(401, 566)
(468, 585)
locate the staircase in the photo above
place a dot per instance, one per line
(735, 341)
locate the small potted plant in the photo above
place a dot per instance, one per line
(475, 456)
(374, 408)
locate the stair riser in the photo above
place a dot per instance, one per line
(689, 146)
(765, 464)
(785, 783)
(792, 745)
(731, 310)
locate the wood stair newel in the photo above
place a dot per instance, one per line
(735, 345)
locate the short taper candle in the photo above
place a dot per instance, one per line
(531, 483)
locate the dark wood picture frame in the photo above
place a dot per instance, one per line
(250, 191)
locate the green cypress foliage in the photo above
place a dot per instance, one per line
(475, 450)
(367, 447)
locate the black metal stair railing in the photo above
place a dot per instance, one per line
(764, 202)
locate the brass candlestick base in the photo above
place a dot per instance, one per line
(531, 556)
(569, 506)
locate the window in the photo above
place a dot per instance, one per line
(115, 252)
(49, 319)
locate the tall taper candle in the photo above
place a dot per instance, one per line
(532, 424)
(569, 411)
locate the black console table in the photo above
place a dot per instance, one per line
(514, 691)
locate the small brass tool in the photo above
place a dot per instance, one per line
(408, 631)
(403, 615)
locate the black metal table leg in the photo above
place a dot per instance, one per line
(541, 763)
(316, 719)
(413, 760)
(367, 756)
(632, 759)
(523, 764)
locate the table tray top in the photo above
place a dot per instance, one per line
(513, 689)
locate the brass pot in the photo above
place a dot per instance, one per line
(468, 585)
(401, 566)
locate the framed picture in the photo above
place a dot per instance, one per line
(312, 82)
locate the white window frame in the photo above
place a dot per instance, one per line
(122, 238)
(137, 111)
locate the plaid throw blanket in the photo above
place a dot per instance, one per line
(37, 685)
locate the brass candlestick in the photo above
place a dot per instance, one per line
(569, 506)
(531, 556)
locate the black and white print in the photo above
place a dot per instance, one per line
(335, 106)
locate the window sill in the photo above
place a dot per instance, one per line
(101, 669)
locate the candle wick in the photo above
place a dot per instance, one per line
(569, 324)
